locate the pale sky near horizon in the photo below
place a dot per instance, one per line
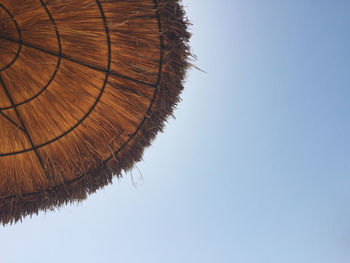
(255, 168)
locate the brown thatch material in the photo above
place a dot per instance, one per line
(84, 87)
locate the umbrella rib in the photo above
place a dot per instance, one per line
(79, 62)
(58, 61)
(10, 120)
(161, 49)
(19, 36)
(25, 130)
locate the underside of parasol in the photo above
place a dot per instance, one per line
(84, 87)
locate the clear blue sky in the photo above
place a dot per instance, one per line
(255, 169)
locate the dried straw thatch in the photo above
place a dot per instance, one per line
(84, 87)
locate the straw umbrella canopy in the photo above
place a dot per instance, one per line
(85, 86)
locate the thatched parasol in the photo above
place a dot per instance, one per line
(84, 87)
